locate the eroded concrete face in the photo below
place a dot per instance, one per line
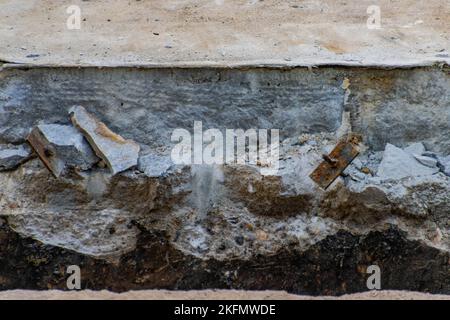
(147, 105)
(161, 220)
(396, 106)
(412, 106)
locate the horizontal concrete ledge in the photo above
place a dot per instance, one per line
(209, 295)
(225, 33)
(272, 64)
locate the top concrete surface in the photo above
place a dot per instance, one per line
(225, 33)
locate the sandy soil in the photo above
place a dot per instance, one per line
(208, 294)
(225, 32)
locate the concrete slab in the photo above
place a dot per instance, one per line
(210, 295)
(225, 33)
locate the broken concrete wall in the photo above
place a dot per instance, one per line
(396, 106)
(147, 105)
(402, 106)
(160, 225)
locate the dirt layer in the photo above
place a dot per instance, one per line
(333, 267)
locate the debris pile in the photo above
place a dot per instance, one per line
(395, 163)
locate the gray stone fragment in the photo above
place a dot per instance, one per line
(426, 161)
(154, 165)
(358, 176)
(444, 165)
(12, 156)
(357, 163)
(118, 153)
(415, 149)
(61, 147)
(398, 164)
(430, 154)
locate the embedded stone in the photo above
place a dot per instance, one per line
(426, 161)
(61, 147)
(444, 164)
(415, 149)
(398, 164)
(118, 153)
(13, 156)
(153, 165)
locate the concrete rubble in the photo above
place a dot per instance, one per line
(444, 164)
(12, 156)
(230, 212)
(399, 164)
(61, 147)
(154, 165)
(118, 153)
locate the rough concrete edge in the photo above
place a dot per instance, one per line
(213, 294)
(275, 64)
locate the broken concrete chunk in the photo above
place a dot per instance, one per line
(12, 156)
(444, 165)
(118, 153)
(415, 149)
(153, 165)
(426, 161)
(398, 164)
(61, 147)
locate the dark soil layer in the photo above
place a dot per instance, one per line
(334, 266)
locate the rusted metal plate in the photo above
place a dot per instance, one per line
(45, 152)
(334, 163)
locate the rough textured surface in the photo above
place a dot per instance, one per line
(12, 156)
(154, 165)
(119, 154)
(61, 148)
(444, 164)
(227, 226)
(335, 266)
(147, 105)
(398, 164)
(401, 109)
(209, 295)
(225, 33)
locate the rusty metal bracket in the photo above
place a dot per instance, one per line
(342, 155)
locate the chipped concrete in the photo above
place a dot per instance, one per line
(444, 164)
(154, 165)
(61, 148)
(12, 156)
(398, 164)
(118, 153)
(147, 105)
(152, 224)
